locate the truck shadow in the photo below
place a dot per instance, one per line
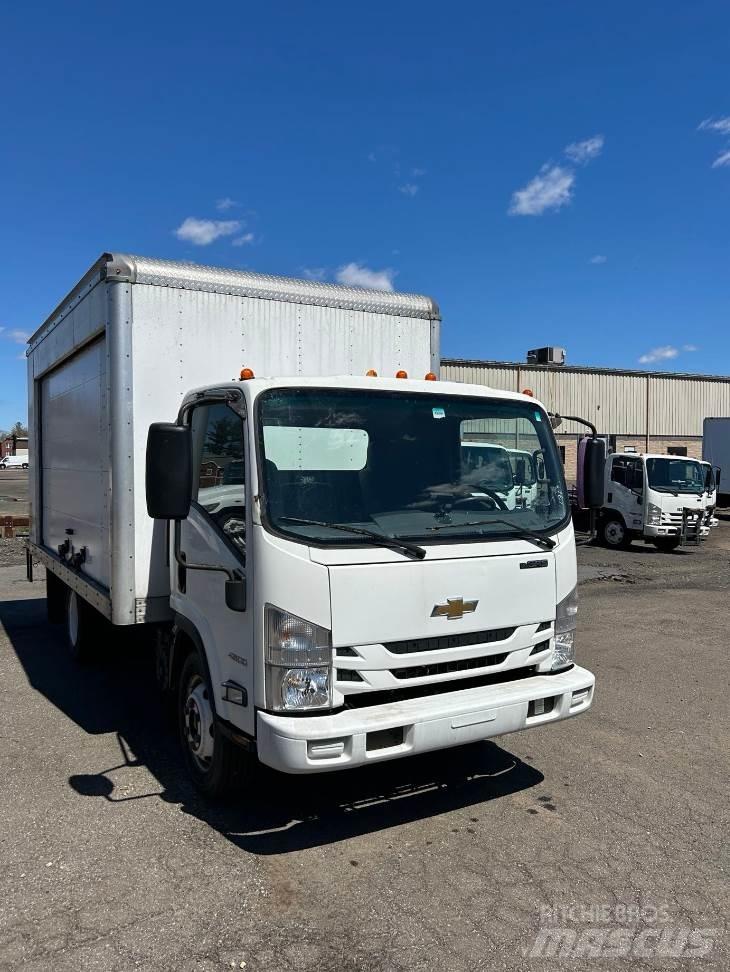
(273, 813)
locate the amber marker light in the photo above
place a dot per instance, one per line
(430, 377)
(247, 373)
(401, 374)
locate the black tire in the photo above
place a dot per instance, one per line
(215, 764)
(83, 627)
(614, 533)
(25, 465)
(666, 544)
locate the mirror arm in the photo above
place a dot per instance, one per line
(181, 560)
(580, 421)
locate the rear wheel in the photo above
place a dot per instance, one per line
(666, 544)
(215, 764)
(614, 533)
(83, 628)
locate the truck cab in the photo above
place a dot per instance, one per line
(393, 604)
(659, 499)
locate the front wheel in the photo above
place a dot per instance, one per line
(666, 544)
(214, 763)
(614, 533)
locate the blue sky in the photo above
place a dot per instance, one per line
(422, 145)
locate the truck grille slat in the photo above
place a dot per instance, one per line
(444, 668)
(449, 641)
(383, 697)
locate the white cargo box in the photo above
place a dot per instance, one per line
(122, 350)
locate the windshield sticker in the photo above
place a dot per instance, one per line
(438, 413)
(538, 417)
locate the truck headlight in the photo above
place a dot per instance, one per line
(653, 514)
(298, 658)
(564, 651)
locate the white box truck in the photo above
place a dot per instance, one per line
(268, 472)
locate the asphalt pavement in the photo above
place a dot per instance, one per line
(610, 824)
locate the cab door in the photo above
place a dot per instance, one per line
(215, 534)
(626, 490)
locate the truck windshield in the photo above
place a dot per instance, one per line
(410, 466)
(675, 475)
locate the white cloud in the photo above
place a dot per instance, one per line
(408, 189)
(417, 173)
(357, 275)
(720, 125)
(243, 240)
(201, 232)
(663, 353)
(552, 188)
(226, 203)
(722, 160)
(314, 273)
(582, 152)
(690, 347)
(598, 258)
(16, 335)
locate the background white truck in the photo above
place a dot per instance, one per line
(328, 585)
(655, 498)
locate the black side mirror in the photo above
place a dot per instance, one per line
(594, 462)
(717, 478)
(520, 472)
(169, 471)
(236, 594)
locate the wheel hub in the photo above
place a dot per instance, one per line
(614, 533)
(199, 724)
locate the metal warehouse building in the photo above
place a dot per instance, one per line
(642, 411)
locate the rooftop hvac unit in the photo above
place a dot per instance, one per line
(555, 356)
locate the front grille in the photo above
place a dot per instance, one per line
(366, 699)
(449, 641)
(444, 668)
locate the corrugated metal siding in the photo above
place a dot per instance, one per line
(684, 404)
(616, 403)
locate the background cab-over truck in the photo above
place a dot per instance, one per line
(328, 585)
(655, 498)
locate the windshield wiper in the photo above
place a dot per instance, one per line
(412, 549)
(522, 532)
(664, 489)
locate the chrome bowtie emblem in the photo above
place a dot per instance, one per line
(455, 608)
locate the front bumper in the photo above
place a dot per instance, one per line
(354, 737)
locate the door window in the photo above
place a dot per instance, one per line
(627, 472)
(219, 469)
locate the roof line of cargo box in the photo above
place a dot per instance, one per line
(243, 283)
(582, 369)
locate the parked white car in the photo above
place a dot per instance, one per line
(14, 462)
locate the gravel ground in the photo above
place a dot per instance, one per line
(12, 551)
(617, 820)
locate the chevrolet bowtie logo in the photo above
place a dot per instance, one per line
(455, 608)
